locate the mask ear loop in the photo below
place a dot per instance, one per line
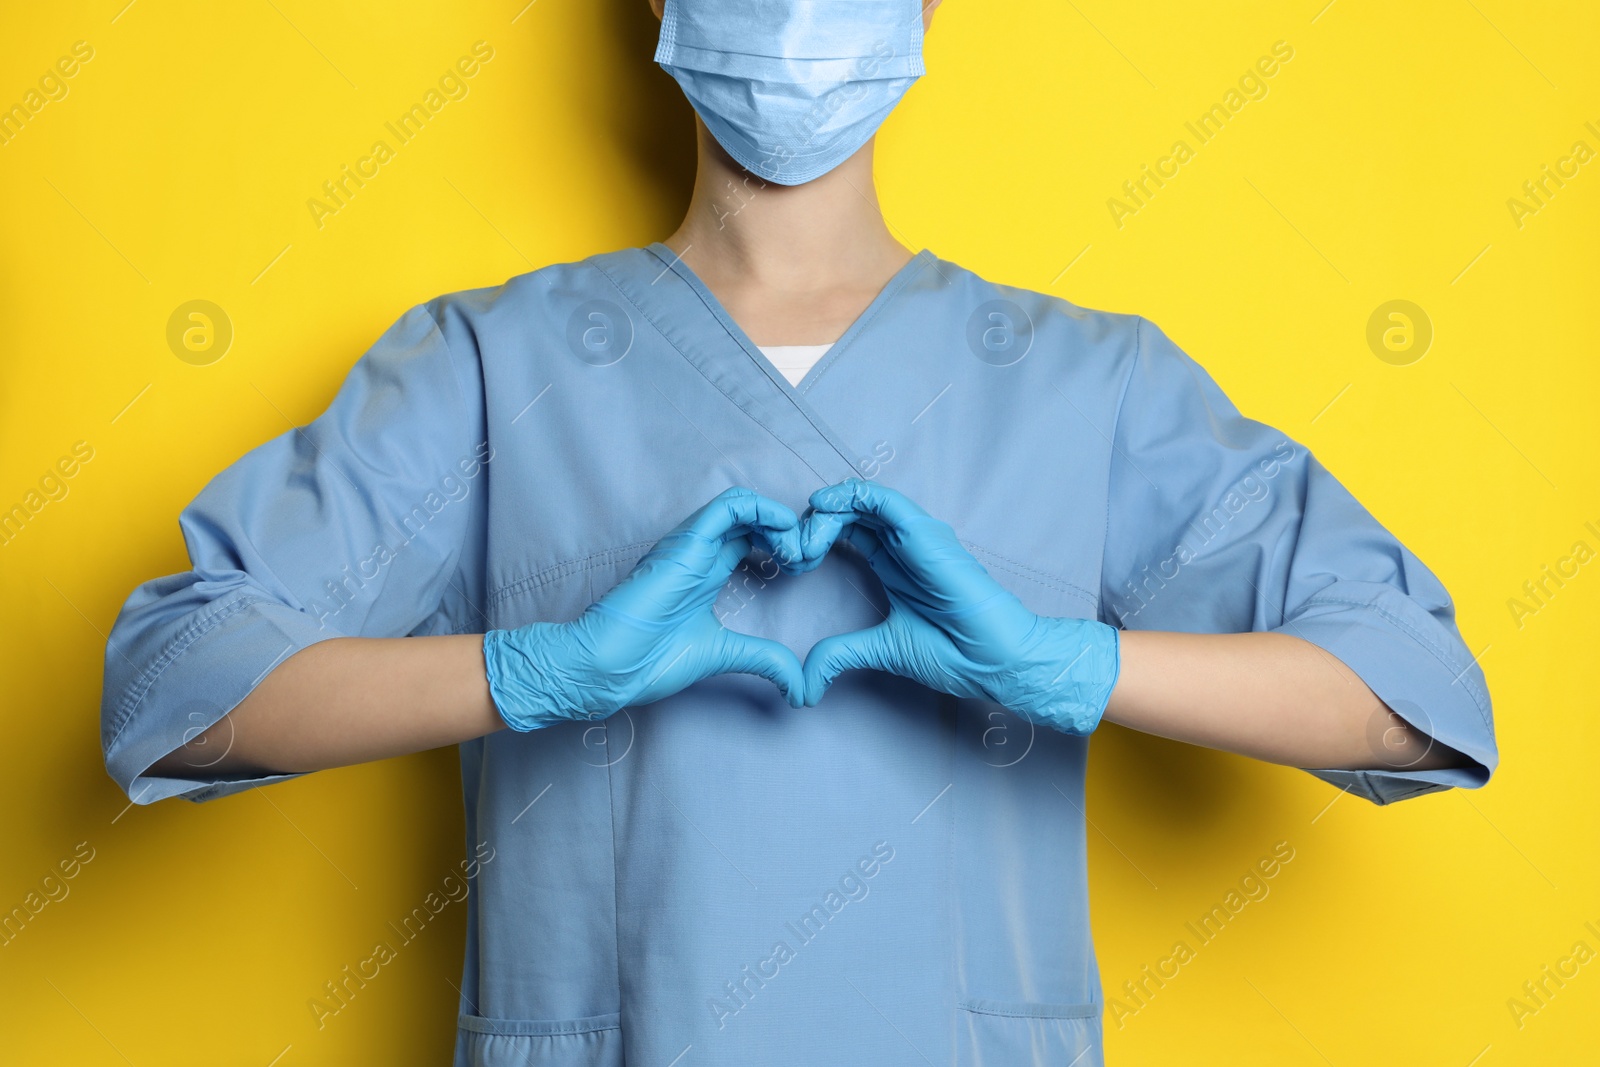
(918, 39)
(669, 32)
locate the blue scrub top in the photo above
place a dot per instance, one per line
(717, 878)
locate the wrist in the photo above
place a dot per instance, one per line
(527, 687)
(1071, 667)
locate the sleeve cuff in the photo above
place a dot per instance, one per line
(1416, 666)
(206, 671)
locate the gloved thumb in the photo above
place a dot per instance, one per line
(867, 649)
(739, 653)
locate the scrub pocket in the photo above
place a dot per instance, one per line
(592, 1042)
(993, 1033)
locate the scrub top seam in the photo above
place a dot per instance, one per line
(752, 416)
(1404, 627)
(545, 575)
(616, 880)
(776, 381)
(1402, 794)
(990, 1006)
(797, 401)
(460, 590)
(180, 644)
(922, 260)
(1381, 797)
(1360, 785)
(222, 786)
(1111, 459)
(455, 373)
(956, 985)
(594, 1024)
(434, 309)
(830, 359)
(1038, 577)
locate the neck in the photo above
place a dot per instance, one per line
(825, 234)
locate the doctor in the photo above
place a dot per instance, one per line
(795, 765)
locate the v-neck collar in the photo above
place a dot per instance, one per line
(692, 320)
(796, 391)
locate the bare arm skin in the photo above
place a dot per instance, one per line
(348, 700)
(1270, 696)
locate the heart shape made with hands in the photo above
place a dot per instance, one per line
(951, 626)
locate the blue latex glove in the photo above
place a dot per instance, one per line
(951, 626)
(655, 632)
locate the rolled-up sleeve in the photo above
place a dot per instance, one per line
(352, 525)
(1221, 524)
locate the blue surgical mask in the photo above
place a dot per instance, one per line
(792, 88)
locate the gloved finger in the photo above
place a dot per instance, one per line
(864, 541)
(730, 554)
(909, 549)
(818, 534)
(783, 545)
(739, 653)
(867, 649)
(875, 504)
(941, 580)
(801, 565)
(739, 510)
(905, 529)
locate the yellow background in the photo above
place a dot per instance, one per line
(1377, 167)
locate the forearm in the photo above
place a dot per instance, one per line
(1270, 696)
(348, 700)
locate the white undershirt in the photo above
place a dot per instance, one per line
(794, 360)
